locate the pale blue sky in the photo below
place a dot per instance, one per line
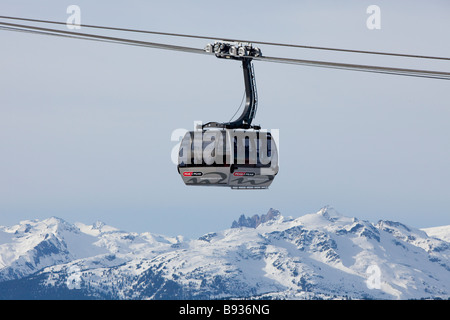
(85, 127)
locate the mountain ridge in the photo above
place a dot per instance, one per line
(322, 255)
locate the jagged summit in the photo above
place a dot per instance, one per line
(329, 212)
(98, 225)
(256, 220)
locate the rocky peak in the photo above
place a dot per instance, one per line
(329, 213)
(256, 220)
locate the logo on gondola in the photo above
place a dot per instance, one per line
(192, 174)
(244, 174)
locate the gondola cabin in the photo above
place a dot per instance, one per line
(240, 159)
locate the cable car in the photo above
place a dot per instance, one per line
(233, 154)
(240, 159)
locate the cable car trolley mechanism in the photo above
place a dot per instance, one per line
(232, 154)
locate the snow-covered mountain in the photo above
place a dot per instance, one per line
(322, 255)
(442, 233)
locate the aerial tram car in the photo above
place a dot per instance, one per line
(232, 154)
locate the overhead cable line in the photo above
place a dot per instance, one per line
(234, 39)
(364, 68)
(80, 35)
(324, 64)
